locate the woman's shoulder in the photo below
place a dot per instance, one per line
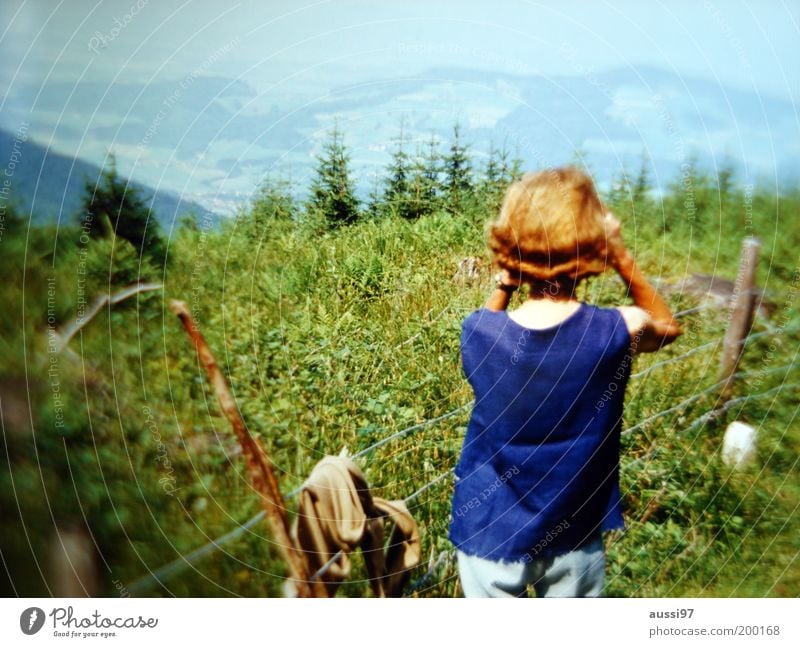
(614, 313)
(485, 325)
(620, 322)
(625, 322)
(478, 318)
(631, 318)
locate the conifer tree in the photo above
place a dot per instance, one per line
(397, 196)
(333, 196)
(113, 205)
(429, 167)
(458, 172)
(273, 205)
(579, 156)
(641, 185)
(515, 169)
(418, 204)
(619, 196)
(421, 195)
(492, 171)
(497, 175)
(375, 207)
(725, 183)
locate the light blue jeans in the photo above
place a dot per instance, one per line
(577, 574)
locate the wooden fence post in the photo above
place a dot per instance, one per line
(258, 463)
(73, 570)
(741, 315)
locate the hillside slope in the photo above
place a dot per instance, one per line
(50, 186)
(338, 339)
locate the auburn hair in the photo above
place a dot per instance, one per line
(550, 227)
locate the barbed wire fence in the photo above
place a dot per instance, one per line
(733, 347)
(160, 575)
(179, 564)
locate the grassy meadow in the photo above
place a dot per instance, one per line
(334, 337)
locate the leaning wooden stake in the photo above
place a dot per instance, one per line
(741, 315)
(258, 462)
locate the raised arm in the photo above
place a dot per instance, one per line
(651, 322)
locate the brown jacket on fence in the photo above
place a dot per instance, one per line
(337, 512)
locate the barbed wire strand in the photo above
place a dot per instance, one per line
(678, 358)
(691, 311)
(698, 395)
(434, 565)
(408, 430)
(740, 400)
(180, 563)
(673, 409)
(728, 405)
(183, 561)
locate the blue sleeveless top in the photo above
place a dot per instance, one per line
(539, 469)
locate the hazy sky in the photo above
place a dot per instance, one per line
(92, 75)
(743, 44)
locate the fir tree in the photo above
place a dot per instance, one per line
(333, 196)
(725, 183)
(429, 167)
(416, 191)
(272, 205)
(422, 196)
(458, 172)
(619, 196)
(641, 186)
(497, 175)
(579, 159)
(375, 207)
(112, 205)
(398, 194)
(492, 172)
(515, 171)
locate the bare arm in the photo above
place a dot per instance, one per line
(653, 326)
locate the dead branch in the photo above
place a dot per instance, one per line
(258, 463)
(64, 335)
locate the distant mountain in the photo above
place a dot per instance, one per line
(614, 119)
(49, 187)
(216, 140)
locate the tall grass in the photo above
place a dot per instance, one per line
(334, 340)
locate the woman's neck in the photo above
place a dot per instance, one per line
(545, 310)
(552, 291)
